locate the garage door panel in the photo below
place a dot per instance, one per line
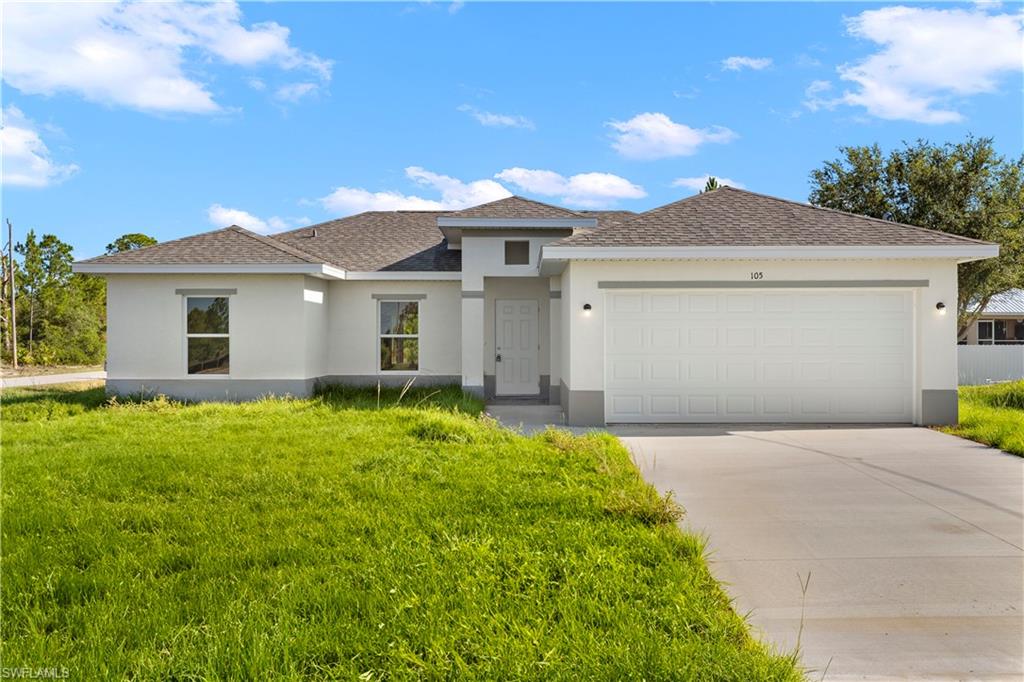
(790, 356)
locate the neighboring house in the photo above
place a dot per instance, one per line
(1001, 322)
(728, 306)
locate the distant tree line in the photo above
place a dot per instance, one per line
(60, 315)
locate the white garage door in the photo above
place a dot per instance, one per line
(813, 355)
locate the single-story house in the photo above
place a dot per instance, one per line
(728, 306)
(1001, 322)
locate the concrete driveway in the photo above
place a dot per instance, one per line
(912, 540)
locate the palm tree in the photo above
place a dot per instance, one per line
(712, 184)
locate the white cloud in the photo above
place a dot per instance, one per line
(656, 136)
(222, 216)
(815, 96)
(455, 194)
(293, 92)
(26, 159)
(135, 54)
(740, 63)
(256, 83)
(493, 120)
(585, 190)
(698, 183)
(927, 58)
(351, 200)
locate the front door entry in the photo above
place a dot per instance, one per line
(516, 348)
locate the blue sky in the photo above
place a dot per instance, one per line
(176, 119)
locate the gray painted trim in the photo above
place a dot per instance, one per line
(472, 294)
(478, 391)
(583, 408)
(206, 292)
(391, 380)
(226, 390)
(542, 223)
(490, 386)
(939, 407)
(762, 284)
(398, 297)
(555, 294)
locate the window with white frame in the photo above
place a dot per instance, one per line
(206, 335)
(399, 336)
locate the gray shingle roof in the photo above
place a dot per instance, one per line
(1007, 303)
(230, 245)
(514, 207)
(734, 217)
(379, 240)
(412, 241)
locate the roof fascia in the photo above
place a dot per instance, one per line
(418, 275)
(319, 270)
(962, 253)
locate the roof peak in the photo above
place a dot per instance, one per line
(514, 206)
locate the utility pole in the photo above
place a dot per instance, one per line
(14, 324)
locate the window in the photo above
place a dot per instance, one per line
(985, 332)
(206, 333)
(517, 253)
(399, 336)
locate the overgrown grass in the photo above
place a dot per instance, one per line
(327, 538)
(993, 415)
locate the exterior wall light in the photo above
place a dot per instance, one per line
(587, 308)
(941, 307)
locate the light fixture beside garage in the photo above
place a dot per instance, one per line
(941, 307)
(587, 308)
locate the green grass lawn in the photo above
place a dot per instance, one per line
(993, 415)
(335, 538)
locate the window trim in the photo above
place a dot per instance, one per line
(410, 298)
(186, 336)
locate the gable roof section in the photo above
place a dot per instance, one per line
(515, 207)
(391, 241)
(733, 217)
(232, 245)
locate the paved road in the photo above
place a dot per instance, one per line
(46, 379)
(912, 540)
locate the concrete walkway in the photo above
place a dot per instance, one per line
(912, 541)
(47, 379)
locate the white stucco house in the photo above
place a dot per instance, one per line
(729, 306)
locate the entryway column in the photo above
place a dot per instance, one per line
(473, 336)
(555, 340)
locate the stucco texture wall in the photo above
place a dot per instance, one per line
(935, 335)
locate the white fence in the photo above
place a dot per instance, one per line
(985, 364)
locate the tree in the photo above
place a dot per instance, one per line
(711, 184)
(45, 267)
(64, 311)
(965, 189)
(130, 242)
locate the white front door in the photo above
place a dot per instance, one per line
(516, 348)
